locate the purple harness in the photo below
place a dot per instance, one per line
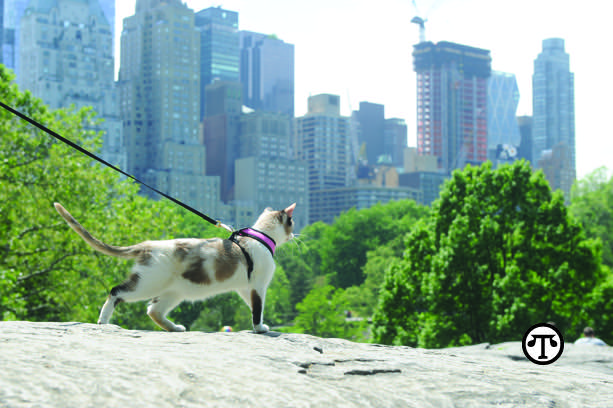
(264, 239)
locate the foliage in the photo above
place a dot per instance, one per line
(346, 243)
(301, 260)
(592, 205)
(597, 309)
(499, 253)
(323, 313)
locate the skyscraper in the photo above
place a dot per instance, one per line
(266, 173)
(371, 119)
(502, 101)
(323, 141)
(452, 102)
(160, 101)
(219, 48)
(221, 129)
(525, 130)
(395, 140)
(553, 101)
(11, 12)
(267, 73)
(65, 58)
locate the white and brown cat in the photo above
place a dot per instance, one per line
(169, 272)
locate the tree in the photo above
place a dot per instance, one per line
(592, 205)
(322, 313)
(499, 253)
(597, 309)
(346, 243)
(301, 261)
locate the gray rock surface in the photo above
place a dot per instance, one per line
(86, 365)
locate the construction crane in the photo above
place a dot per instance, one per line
(421, 22)
(422, 27)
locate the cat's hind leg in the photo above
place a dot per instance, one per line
(159, 308)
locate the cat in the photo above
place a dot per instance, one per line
(169, 272)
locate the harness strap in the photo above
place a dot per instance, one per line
(266, 240)
(247, 256)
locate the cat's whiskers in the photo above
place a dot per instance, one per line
(298, 241)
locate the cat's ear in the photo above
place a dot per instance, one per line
(289, 210)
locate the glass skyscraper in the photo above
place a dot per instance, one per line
(267, 73)
(553, 95)
(371, 119)
(502, 101)
(219, 48)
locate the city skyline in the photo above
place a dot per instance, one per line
(375, 64)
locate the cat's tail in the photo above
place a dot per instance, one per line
(120, 252)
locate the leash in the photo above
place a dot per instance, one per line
(93, 156)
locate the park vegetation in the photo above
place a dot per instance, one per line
(497, 253)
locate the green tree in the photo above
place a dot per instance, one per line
(499, 253)
(301, 262)
(322, 313)
(597, 309)
(592, 205)
(345, 244)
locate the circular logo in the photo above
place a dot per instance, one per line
(542, 344)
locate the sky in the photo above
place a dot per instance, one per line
(361, 51)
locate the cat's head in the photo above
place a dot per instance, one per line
(279, 225)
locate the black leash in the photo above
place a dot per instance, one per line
(93, 156)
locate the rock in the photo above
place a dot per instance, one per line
(86, 365)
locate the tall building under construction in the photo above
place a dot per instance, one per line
(452, 84)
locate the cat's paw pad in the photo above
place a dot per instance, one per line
(179, 328)
(261, 328)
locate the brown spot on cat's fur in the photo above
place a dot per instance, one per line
(182, 248)
(143, 255)
(196, 273)
(226, 263)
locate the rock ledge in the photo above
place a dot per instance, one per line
(86, 365)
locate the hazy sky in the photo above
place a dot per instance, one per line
(361, 50)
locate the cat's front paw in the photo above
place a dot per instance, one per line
(261, 328)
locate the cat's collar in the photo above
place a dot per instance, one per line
(266, 240)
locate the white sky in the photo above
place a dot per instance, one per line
(361, 50)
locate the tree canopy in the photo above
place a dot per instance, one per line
(498, 254)
(592, 205)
